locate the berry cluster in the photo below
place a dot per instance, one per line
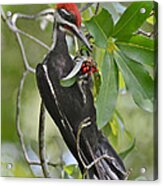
(89, 67)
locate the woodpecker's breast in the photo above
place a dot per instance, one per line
(58, 62)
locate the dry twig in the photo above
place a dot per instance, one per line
(142, 32)
(97, 8)
(18, 108)
(41, 139)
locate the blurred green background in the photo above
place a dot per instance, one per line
(138, 122)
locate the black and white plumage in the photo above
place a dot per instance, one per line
(68, 110)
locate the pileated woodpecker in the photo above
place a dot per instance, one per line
(69, 108)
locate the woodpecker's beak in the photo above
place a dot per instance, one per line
(82, 37)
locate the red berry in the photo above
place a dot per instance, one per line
(87, 68)
(84, 69)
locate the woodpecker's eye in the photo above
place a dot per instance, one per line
(67, 15)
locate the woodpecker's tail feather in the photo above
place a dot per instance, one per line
(107, 163)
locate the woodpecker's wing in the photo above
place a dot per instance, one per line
(50, 100)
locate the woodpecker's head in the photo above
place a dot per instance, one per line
(69, 18)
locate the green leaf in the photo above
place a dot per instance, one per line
(73, 171)
(122, 86)
(117, 133)
(111, 9)
(132, 19)
(87, 14)
(107, 97)
(68, 82)
(114, 128)
(139, 48)
(75, 69)
(127, 151)
(101, 27)
(115, 9)
(137, 80)
(71, 78)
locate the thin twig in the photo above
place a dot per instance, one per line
(2, 14)
(142, 32)
(152, 13)
(97, 8)
(18, 107)
(54, 165)
(16, 16)
(12, 25)
(104, 156)
(13, 28)
(46, 12)
(82, 9)
(41, 139)
(26, 64)
(34, 39)
(18, 104)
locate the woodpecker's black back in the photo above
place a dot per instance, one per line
(69, 106)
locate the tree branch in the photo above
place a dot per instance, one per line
(17, 16)
(18, 107)
(54, 165)
(142, 32)
(41, 139)
(12, 26)
(97, 8)
(26, 64)
(34, 39)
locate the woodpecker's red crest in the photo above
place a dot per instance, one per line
(68, 18)
(73, 9)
